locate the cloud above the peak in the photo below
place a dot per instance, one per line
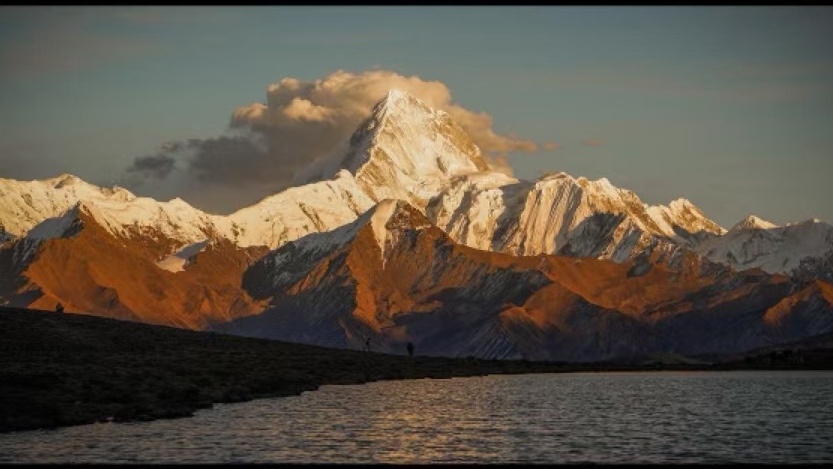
(343, 99)
(267, 143)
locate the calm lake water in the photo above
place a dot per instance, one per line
(651, 417)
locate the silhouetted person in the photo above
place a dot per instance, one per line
(367, 344)
(59, 308)
(410, 347)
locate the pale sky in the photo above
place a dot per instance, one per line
(730, 107)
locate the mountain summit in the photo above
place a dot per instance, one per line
(406, 150)
(753, 223)
(803, 249)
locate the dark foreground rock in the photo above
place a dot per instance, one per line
(67, 369)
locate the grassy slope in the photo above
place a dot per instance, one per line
(68, 369)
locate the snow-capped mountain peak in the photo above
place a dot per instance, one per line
(407, 150)
(753, 223)
(682, 213)
(42, 209)
(24, 204)
(400, 103)
(757, 243)
(65, 179)
(681, 205)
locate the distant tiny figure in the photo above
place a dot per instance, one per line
(410, 347)
(367, 344)
(59, 308)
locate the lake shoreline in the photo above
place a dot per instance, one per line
(59, 370)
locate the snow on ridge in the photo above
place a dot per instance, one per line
(177, 261)
(295, 212)
(681, 204)
(602, 195)
(24, 205)
(753, 222)
(756, 243)
(53, 227)
(809, 221)
(172, 263)
(559, 213)
(382, 212)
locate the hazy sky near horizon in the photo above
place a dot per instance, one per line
(729, 107)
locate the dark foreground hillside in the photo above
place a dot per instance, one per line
(68, 369)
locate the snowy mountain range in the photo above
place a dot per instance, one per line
(395, 277)
(407, 162)
(408, 151)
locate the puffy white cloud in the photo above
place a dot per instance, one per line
(301, 109)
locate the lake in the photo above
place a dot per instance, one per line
(627, 417)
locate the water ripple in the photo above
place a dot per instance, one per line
(670, 417)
